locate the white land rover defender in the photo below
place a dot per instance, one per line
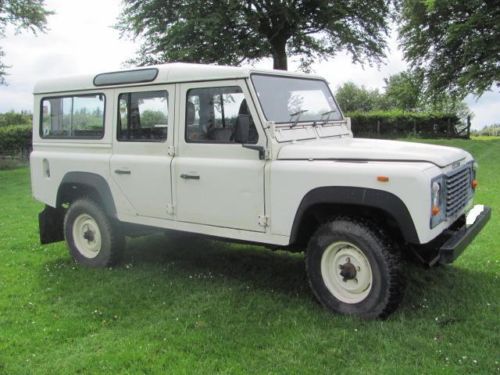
(264, 157)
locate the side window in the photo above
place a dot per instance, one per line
(143, 116)
(219, 115)
(78, 116)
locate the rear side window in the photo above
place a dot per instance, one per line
(77, 116)
(143, 116)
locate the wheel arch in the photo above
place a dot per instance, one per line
(77, 184)
(319, 204)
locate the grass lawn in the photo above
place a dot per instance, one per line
(201, 306)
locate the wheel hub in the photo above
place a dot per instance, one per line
(348, 271)
(89, 235)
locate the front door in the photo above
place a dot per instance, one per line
(217, 181)
(140, 165)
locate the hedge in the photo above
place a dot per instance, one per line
(15, 139)
(394, 124)
(15, 118)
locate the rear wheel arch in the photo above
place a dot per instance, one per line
(75, 185)
(320, 204)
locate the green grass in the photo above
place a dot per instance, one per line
(200, 306)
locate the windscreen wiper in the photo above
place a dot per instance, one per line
(327, 114)
(298, 113)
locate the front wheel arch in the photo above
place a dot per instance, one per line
(338, 200)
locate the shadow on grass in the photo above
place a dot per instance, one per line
(277, 271)
(160, 260)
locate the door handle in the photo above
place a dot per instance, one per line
(122, 171)
(190, 176)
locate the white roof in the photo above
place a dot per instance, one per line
(167, 73)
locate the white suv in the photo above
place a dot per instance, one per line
(264, 157)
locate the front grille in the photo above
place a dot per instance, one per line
(458, 189)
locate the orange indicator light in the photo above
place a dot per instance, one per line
(382, 178)
(435, 210)
(474, 184)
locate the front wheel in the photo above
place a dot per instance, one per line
(93, 239)
(353, 269)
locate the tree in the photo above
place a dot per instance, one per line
(404, 90)
(354, 98)
(454, 41)
(23, 15)
(232, 31)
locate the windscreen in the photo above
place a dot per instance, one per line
(290, 100)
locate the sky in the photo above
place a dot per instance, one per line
(80, 40)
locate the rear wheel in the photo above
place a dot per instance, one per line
(354, 270)
(93, 238)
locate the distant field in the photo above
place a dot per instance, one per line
(201, 306)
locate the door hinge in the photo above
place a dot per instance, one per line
(170, 209)
(264, 221)
(267, 154)
(171, 150)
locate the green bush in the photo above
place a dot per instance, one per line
(391, 124)
(15, 118)
(15, 138)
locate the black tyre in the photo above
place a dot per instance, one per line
(93, 239)
(354, 270)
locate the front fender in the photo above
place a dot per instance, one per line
(363, 197)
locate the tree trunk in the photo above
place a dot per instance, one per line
(279, 55)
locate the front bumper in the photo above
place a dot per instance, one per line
(462, 237)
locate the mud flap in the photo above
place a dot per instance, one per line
(50, 222)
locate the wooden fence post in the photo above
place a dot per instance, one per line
(468, 126)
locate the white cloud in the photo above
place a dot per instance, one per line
(81, 39)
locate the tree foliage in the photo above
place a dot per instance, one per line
(403, 92)
(357, 98)
(15, 118)
(23, 15)
(233, 31)
(455, 42)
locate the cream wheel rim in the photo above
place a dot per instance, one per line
(346, 272)
(87, 236)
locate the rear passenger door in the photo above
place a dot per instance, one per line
(142, 137)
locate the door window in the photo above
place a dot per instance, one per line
(213, 115)
(143, 116)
